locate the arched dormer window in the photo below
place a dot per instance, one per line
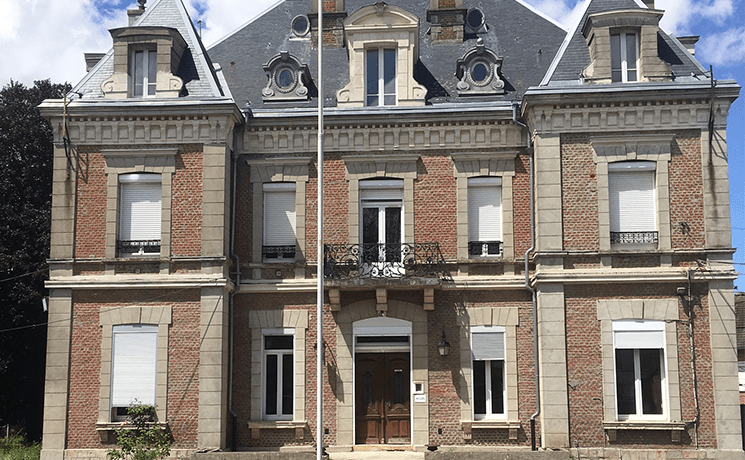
(479, 71)
(288, 79)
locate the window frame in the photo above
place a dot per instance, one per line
(149, 69)
(489, 399)
(265, 353)
(268, 189)
(117, 381)
(383, 69)
(132, 180)
(648, 328)
(490, 247)
(637, 236)
(623, 58)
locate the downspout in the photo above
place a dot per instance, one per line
(233, 200)
(537, 412)
(688, 308)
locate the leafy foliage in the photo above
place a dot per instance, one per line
(13, 448)
(26, 154)
(140, 438)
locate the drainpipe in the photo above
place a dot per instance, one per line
(233, 416)
(537, 412)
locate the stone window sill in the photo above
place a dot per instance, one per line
(469, 426)
(675, 428)
(299, 427)
(108, 435)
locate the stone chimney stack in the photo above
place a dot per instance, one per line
(333, 23)
(689, 43)
(447, 18)
(136, 13)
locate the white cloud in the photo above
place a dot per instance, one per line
(723, 49)
(679, 14)
(565, 12)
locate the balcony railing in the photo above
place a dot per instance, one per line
(633, 237)
(484, 248)
(405, 260)
(279, 252)
(138, 247)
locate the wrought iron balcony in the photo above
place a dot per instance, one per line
(633, 237)
(405, 260)
(138, 247)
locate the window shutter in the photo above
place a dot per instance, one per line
(382, 190)
(487, 345)
(632, 198)
(279, 214)
(484, 209)
(140, 213)
(638, 334)
(134, 365)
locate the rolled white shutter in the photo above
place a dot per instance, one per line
(279, 214)
(381, 190)
(487, 345)
(638, 334)
(485, 209)
(632, 198)
(134, 365)
(140, 207)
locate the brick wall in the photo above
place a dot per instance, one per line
(186, 211)
(435, 204)
(90, 226)
(85, 363)
(579, 194)
(687, 192)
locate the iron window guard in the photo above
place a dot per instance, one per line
(278, 252)
(405, 260)
(633, 237)
(138, 247)
(484, 248)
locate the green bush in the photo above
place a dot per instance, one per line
(140, 437)
(14, 448)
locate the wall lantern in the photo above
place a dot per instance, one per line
(444, 346)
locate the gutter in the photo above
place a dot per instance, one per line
(527, 280)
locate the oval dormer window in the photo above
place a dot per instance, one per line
(475, 19)
(480, 72)
(285, 79)
(300, 25)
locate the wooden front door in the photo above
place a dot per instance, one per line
(382, 394)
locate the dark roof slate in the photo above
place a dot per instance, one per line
(526, 40)
(576, 56)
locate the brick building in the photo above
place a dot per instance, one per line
(527, 235)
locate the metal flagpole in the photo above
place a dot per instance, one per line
(320, 272)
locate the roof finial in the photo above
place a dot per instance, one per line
(142, 4)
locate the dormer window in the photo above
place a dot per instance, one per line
(383, 46)
(381, 77)
(144, 72)
(478, 72)
(623, 56)
(287, 79)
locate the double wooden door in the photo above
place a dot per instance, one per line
(383, 393)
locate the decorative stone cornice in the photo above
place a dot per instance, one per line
(272, 140)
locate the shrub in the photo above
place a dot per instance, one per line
(13, 448)
(141, 437)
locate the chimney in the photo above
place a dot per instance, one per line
(649, 3)
(135, 14)
(447, 18)
(333, 23)
(91, 59)
(690, 43)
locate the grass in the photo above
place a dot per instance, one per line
(14, 448)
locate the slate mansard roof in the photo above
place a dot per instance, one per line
(526, 40)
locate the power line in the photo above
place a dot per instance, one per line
(25, 274)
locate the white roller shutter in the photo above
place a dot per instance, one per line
(134, 364)
(638, 334)
(485, 209)
(140, 207)
(632, 197)
(381, 190)
(279, 214)
(487, 343)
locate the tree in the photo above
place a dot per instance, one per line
(140, 437)
(26, 154)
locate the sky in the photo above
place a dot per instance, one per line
(43, 39)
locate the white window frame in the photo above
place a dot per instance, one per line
(485, 222)
(274, 236)
(489, 415)
(144, 221)
(145, 86)
(634, 333)
(134, 376)
(624, 57)
(280, 353)
(382, 96)
(626, 214)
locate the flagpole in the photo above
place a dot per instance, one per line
(320, 256)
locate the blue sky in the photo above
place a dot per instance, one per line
(47, 38)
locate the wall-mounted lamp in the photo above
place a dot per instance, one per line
(444, 346)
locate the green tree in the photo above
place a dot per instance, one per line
(140, 438)
(26, 153)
